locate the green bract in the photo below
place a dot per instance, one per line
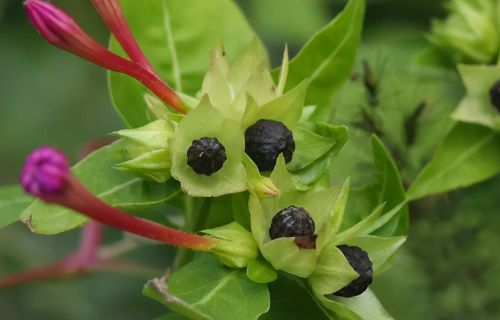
(207, 121)
(470, 32)
(147, 150)
(233, 98)
(228, 87)
(476, 107)
(283, 253)
(236, 248)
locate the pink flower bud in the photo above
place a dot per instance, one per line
(61, 30)
(45, 172)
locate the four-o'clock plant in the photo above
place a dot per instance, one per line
(241, 150)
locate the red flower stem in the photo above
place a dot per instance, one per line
(78, 198)
(116, 63)
(113, 16)
(59, 29)
(90, 242)
(85, 257)
(155, 84)
(59, 269)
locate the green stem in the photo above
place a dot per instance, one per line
(196, 218)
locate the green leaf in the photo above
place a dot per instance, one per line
(390, 189)
(367, 306)
(292, 301)
(205, 289)
(207, 121)
(328, 57)
(176, 36)
(316, 145)
(386, 187)
(172, 316)
(469, 154)
(240, 209)
(476, 107)
(261, 271)
(360, 228)
(118, 188)
(339, 310)
(13, 200)
(340, 205)
(309, 146)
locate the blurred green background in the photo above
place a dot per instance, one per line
(449, 269)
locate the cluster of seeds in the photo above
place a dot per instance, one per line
(265, 140)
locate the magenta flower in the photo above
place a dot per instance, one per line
(61, 30)
(46, 175)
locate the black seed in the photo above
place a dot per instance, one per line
(359, 260)
(265, 140)
(206, 155)
(292, 222)
(495, 95)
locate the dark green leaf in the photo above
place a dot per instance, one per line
(293, 302)
(390, 190)
(469, 154)
(328, 57)
(205, 289)
(240, 209)
(386, 188)
(172, 316)
(316, 145)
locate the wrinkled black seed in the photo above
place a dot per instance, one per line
(292, 222)
(495, 95)
(206, 155)
(265, 140)
(359, 260)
